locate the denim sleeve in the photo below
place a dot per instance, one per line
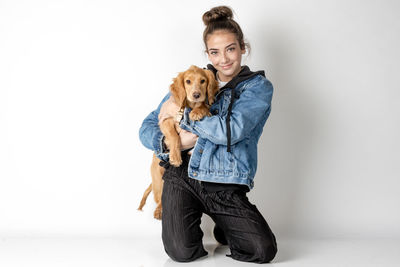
(252, 107)
(150, 134)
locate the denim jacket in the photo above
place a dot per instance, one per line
(245, 115)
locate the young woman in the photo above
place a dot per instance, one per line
(219, 169)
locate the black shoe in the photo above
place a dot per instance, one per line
(219, 235)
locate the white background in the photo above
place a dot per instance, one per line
(78, 77)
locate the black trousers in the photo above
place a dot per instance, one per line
(184, 201)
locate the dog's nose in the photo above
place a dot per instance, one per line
(196, 95)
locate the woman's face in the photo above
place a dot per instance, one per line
(225, 54)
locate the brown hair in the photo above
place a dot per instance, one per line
(220, 18)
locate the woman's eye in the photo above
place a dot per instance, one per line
(231, 49)
(202, 81)
(213, 53)
(188, 81)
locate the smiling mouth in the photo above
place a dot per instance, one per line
(227, 66)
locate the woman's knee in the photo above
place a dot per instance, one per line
(266, 253)
(258, 251)
(181, 253)
(183, 246)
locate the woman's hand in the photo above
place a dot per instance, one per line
(168, 109)
(188, 139)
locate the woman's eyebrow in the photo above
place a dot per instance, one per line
(230, 45)
(216, 49)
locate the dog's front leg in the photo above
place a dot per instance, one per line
(172, 141)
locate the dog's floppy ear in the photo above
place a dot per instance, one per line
(212, 87)
(178, 91)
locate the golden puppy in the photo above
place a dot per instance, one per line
(194, 88)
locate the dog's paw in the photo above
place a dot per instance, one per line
(196, 115)
(175, 162)
(158, 214)
(175, 159)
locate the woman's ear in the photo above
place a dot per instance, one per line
(178, 91)
(212, 87)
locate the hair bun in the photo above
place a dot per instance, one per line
(217, 13)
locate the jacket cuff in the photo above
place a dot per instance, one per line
(161, 150)
(186, 123)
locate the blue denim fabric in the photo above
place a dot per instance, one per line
(210, 160)
(150, 134)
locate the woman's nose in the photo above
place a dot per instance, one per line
(224, 58)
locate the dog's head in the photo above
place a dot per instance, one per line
(194, 85)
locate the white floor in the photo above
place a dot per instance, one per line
(143, 252)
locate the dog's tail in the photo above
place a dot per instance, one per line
(145, 195)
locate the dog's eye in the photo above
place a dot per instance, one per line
(202, 81)
(188, 81)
